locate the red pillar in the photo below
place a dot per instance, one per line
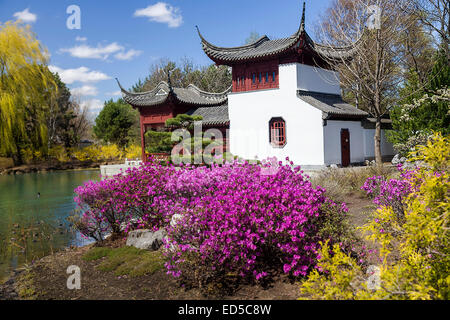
(143, 138)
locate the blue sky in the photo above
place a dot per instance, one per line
(124, 38)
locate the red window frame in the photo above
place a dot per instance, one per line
(277, 127)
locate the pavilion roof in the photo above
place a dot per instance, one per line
(212, 115)
(331, 104)
(164, 91)
(265, 48)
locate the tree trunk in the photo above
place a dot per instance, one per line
(377, 140)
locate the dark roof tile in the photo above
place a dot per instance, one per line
(330, 104)
(159, 95)
(216, 115)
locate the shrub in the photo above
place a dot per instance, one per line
(391, 192)
(59, 153)
(98, 153)
(336, 277)
(238, 221)
(341, 182)
(133, 197)
(420, 266)
(133, 152)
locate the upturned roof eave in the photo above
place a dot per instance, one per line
(214, 98)
(218, 54)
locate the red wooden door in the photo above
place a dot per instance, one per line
(345, 147)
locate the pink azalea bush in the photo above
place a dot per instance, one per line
(233, 218)
(390, 192)
(239, 219)
(114, 205)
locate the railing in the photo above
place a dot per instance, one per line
(157, 156)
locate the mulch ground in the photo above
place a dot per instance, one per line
(49, 277)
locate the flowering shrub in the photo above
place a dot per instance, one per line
(133, 152)
(415, 252)
(237, 220)
(98, 153)
(129, 198)
(337, 277)
(390, 192)
(230, 219)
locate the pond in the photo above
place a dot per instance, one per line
(33, 212)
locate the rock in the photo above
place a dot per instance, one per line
(333, 166)
(133, 224)
(146, 239)
(397, 160)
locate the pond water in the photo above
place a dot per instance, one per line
(32, 225)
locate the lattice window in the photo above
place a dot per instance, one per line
(277, 127)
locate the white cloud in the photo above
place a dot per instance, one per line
(81, 74)
(162, 13)
(25, 16)
(100, 52)
(84, 91)
(115, 93)
(81, 39)
(94, 107)
(127, 55)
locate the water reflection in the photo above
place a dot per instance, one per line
(32, 226)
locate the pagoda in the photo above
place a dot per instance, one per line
(286, 102)
(165, 102)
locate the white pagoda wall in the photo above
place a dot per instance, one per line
(332, 141)
(361, 142)
(317, 79)
(309, 143)
(387, 148)
(250, 113)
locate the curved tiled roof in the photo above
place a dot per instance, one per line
(265, 48)
(330, 104)
(162, 92)
(212, 116)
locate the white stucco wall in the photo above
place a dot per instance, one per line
(250, 113)
(369, 144)
(317, 79)
(361, 142)
(308, 141)
(332, 141)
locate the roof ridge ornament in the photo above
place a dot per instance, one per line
(302, 24)
(169, 81)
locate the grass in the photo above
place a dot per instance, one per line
(128, 261)
(339, 183)
(26, 286)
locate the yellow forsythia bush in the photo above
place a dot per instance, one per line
(133, 152)
(415, 253)
(99, 153)
(59, 153)
(109, 152)
(340, 276)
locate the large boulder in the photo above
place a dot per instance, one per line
(146, 239)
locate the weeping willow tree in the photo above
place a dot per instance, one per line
(27, 88)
